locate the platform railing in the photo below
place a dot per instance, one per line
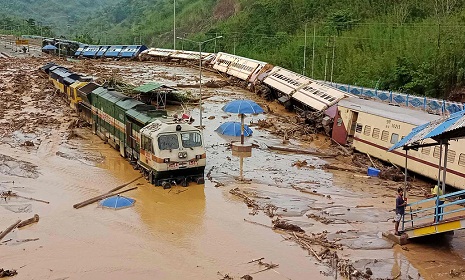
(412, 218)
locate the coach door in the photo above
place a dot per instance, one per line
(353, 123)
(129, 138)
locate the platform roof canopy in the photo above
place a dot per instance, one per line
(446, 128)
(148, 87)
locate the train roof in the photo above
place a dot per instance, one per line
(402, 114)
(144, 113)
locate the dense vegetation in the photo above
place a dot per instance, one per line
(414, 46)
(31, 16)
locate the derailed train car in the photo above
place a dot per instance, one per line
(293, 90)
(164, 149)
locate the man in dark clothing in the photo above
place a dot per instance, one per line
(400, 209)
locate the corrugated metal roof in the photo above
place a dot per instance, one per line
(402, 114)
(442, 128)
(148, 87)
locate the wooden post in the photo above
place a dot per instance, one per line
(24, 223)
(242, 128)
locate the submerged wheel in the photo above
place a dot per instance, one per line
(184, 182)
(200, 181)
(166, 185)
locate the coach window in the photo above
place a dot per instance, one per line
(426, 150)
(385, 135)
(436, 152)
(358, 128)
(462, 160)
(367, 130)
(394, 138)
(375, 133)
(451, 156)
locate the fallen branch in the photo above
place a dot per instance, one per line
(27, 240)
(34, 199)
(307, 191)
(255, 223)
(100, 197)
(256, 260)
(123, 185)
(374, 165)
(363, 206)
(29, 221)
(346, 152)
(10, 228)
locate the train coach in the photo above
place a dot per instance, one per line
(373, 127)
(165, 149)
(243, 68)
(168, 55)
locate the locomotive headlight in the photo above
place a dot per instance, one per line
(198, 156)
(166, 160)
(182, 154)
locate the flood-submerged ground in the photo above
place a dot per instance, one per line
(198, 232)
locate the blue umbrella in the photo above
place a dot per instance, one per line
(233, 129)
(117, 202)
(242, 107)
(49, 48)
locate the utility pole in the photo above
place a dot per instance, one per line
(234, 50)
(305, 48)
(214, 48)
(332, 62)
(326, 58)
(174, 24)
(313, 51)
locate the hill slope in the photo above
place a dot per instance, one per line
(62, 15)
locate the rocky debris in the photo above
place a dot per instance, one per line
(300, 163)
(7, 273)
(320, 219)
(282, 224)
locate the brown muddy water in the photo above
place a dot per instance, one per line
(198, 232)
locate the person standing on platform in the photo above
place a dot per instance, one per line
(400, 209)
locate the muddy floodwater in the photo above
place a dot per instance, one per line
(202, 231)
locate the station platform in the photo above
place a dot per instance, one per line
(435, 215)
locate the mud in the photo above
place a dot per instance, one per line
(199, 232)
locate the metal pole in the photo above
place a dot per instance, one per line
(444, 171)
(214, 48)
(313, 52)
(405, 173)
(332, 62)
(200, 79)
(234, 51)
(326, 58)
(174, 26)
(440, 163)
(436, 212)
(305, 48)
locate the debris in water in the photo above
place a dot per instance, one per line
(7, 273)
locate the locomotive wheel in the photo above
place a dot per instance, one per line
(200, 181)
(166, 185)
(184, 182)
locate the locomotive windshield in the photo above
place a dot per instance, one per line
(191, 139)
(168, 142)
